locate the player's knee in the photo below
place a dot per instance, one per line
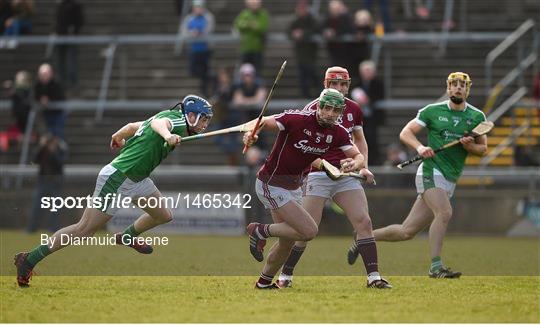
(309, 233)
(168, 215)
(164, 216)
(362, 224)
(445, 215)
(407, 234)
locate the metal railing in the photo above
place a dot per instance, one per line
(507, 142)
(522, 65)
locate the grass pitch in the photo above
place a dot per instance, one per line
(210, 279)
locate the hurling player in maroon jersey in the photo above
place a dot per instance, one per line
(347, 192)
(303, 138)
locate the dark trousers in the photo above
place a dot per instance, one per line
(199, 66)
(50, 186)
(307, 75)
(55, 122)
(66, 62)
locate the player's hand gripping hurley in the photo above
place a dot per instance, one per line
(480, 129)
(334, 173)
(256, 128)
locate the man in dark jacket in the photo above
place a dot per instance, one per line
(50, 157)
(48, 90)
(301, 32)
(69, 21)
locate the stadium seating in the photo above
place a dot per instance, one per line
(154, 72)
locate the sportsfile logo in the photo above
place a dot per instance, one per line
(119, 201)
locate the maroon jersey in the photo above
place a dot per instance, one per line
(351, 119)
(300, 141)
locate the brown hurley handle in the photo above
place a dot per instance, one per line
(256, 128)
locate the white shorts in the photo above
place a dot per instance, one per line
(318, 184)
(274, 197)
(112, 181)
(437, 180)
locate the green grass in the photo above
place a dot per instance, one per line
(205, 279)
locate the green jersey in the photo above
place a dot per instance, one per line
(144, 151)
(445, 125)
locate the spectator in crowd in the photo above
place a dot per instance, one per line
(5, 13)
(372, 91)
(302, 32)
(252, 24)
(197, 25)
(19, 92)
(48, 90)
(249, 94)
(50, 156)
(394, 155)
(363, 28)
(19, 22)
(249, 90)
(223, 116)
(337, 25)
(385, 11)
(21, 101)
(69, 21)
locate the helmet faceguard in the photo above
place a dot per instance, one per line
(459, 76)
(329, 97)
(197, 105)
(336, 74)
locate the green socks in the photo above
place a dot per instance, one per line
(436, 264)
(37, 254)
(130, 231)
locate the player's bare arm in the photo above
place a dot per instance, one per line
(408, 136)
(118, 139)
(353, 162)
(162, 127)
(361, 143)
(475, 146)
(267, 122)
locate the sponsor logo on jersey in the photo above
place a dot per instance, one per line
(443, 119)
(449, 135)
(302, 145)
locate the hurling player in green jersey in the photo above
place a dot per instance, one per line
(143, 149)
(438, 173)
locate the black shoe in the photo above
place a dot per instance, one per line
(379, 284)
(132, 242)
(443, 273)
(268, 287)
(256, 244)
(353, 252)
(24, 269)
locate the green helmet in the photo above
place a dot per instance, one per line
(331, 97)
